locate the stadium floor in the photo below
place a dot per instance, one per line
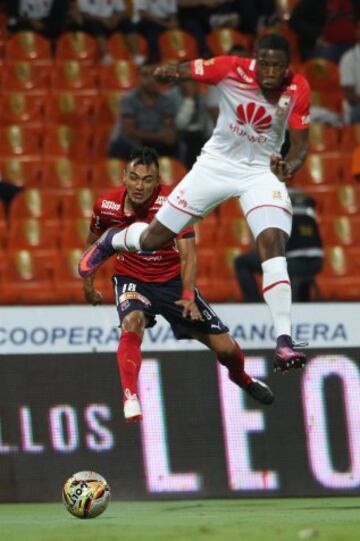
(327, 519)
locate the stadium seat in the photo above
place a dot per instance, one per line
(20, 139)
(108, 173)
(328, 99)
(38, 236)
(74, 233)
(221, 41)
(72, 108)
(321, 74)
(293, 41)
(20, 107)
(79, 204)
(229, 209)
(205, 232)
(340, 278)
(62, 175)
(342, 199)
(101, 140)
(26, 171)
(234, 231)
(342, 230)
(28, 46)
(74, 76)
(171, 171)
(324, 168)
(119, 50)
(350, 137)
(35, 203)
(24, 76)
(177, 45)
(119, 75)
(27, 280)
(285, 7)
(354, 169)
(67, 141)
(109, 106)
(77, 46)
(323, 138)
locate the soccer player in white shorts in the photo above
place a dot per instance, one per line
(260, 98)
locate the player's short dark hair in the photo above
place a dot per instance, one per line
(145, 156)
(273, 41)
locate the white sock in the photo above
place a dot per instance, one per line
(277, 293)
(128, 239)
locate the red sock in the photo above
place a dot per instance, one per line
(129, 360)
(235, 364)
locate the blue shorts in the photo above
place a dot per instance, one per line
(159, 298)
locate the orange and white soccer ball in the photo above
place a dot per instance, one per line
(86, 494)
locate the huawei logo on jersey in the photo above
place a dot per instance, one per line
(254, 115)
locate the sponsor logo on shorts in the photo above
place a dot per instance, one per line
(111, 205)
(276, 195)
(133, 296)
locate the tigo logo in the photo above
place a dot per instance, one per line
(254, 115)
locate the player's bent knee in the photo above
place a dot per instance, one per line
(134, 322)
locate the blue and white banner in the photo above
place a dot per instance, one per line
(71, 329)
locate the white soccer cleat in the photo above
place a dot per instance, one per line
(132, 408)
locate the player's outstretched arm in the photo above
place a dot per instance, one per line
(171, 72)
(187, 251)
(92, 295)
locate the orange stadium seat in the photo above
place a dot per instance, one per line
(118, 49)
(221, 41)
(108, 173)
(36, 235)
(350, 137)
(20, 107)
(109, 106)
(77, 46)
(343, 230)
(323, 138)
(234, 231)
(3, 225)
(28, 46)
(354, 169)
(229, 209)
(65, 140)
(23, 76)
(340, 278)
(171, 170)
(119, 75)
(74, 233)
(24, 171)
(35, 203)
(328, 99)
(177, 45)
(74, 76)
(20, 139)
(205, 232)
(78, 204)
(321, 74)
(27, 280)
(342, 199)
(102, 137)
(63, 175)
(72, 107)
(325, 168)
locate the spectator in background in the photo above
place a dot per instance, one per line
(349, 68)
(46, 17)
(304, 254)
(147, 117)
(243, 15)
(101, 18)
(152, 18)
(193, 120)
(326, 28)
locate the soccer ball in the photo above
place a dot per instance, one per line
(86, 494)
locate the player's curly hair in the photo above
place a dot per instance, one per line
(273, 41)
(145, 156)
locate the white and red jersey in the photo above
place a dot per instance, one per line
(157, 266)
(249, 128)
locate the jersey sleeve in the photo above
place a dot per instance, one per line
(300, 115)
(212, 71)
(97, 223)
(186, 233)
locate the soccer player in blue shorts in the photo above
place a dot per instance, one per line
(158, 282)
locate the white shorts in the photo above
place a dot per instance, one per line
(264, 200)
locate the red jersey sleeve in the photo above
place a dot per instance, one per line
(97, 224)
(186, 233)
(213, 70)
(300, 115)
